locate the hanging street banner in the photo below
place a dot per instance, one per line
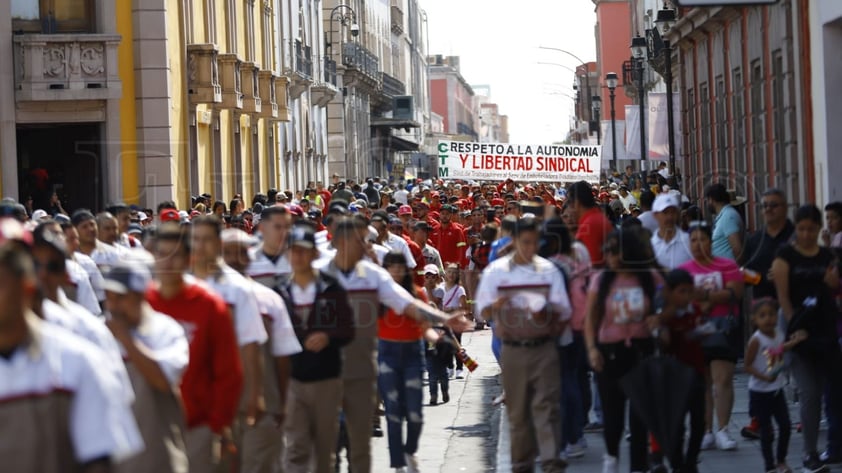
(533, 163)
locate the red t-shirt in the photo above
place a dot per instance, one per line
(213, 380)
(452, 244)
(594, 226)
(396, 327)
(420, 261)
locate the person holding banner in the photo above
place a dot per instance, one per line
(525, 295)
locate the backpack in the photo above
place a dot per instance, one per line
(480, 254)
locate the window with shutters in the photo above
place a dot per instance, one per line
(778, 110)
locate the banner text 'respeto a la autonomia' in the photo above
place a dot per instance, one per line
(498, 162)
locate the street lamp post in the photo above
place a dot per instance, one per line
(639, 52)
(596, 104)
(350, 16)
(611, 81)
(665, 20)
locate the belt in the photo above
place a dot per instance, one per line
(528, 343)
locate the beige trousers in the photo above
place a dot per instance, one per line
(312, 425)
(359, 401)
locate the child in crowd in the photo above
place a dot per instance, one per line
(681, 319)
(439, 355)
(764, 361)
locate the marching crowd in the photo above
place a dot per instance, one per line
(273, 335)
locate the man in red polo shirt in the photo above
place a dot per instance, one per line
(594, 226)
(452, 242)
(213, 381)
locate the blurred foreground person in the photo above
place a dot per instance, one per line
(155, 350)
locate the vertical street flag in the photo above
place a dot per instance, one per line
(632, 132)
(658, 128)
(607, 148)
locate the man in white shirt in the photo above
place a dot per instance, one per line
(102, 254)
(263, 446)
(401, 196)
(647, 218)
(62, 411)
(368, 287)
(391, 241)
(156, 352)
(626, 197)
(670, 244)
(269, 263)
(525, 296)
(236, 291)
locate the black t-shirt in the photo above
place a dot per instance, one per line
(760, 251)
(808, 289)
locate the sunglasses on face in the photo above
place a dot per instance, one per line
(431, 276)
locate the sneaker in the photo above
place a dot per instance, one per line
(411, 463)
(724, 441)
(610, 465)
(752, 430)
(830, 458)
(593, 427)
(812, 464)
(377, 431)
(400, 470)
(575, 450)
(708, 441)
(445, 398)
(434, 401)
(460, 374)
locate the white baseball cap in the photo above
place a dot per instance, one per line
(665, 201)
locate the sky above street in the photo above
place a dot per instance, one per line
(498, 44)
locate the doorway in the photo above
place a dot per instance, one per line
(65, 158)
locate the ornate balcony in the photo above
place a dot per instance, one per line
(302, 76)
(323, 92)
(282, 98)
(229, 78)
(269, 105)
(66, 67)
(362, 67)
(203, 73)
(250, 87)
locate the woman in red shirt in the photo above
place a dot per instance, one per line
(400, 357)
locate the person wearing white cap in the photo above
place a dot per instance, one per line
(263, 447)
(39, 214)
(432, 284)
(670, 243)
(156, 352)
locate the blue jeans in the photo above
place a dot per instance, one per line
(573, 414)
(496, 343)
(399, 381)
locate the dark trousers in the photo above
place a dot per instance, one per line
(437, 375)
(573, 415)
(619, 361)
(765, 406)
(696, 410)
(584, 376)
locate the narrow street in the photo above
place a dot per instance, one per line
(469, 434)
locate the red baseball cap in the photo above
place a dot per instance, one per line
(170, 215)
(405, 210)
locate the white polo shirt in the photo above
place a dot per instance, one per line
(674, 253)
(237, 293)
(85, 295)
(368, 286)
(166, 342)
(264, 270)
(541, 276)
(94, 274)
(397, 243)
(56, 368)
(274, 311)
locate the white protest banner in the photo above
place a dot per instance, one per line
(607, 138)
(658, 126)
(501, 161)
